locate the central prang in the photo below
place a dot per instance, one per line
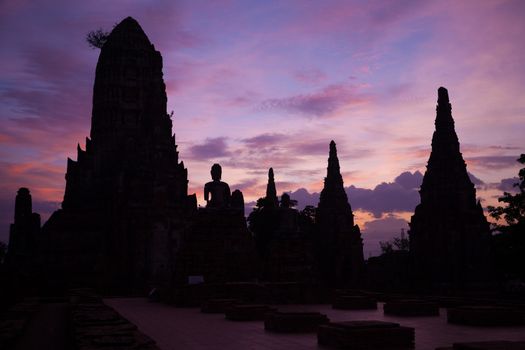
(219, 191)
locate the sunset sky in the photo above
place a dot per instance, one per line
(259, 84)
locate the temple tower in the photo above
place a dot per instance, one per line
(126, 202)
(131, 142)
(271, 200)
(23, 231)
(339, 239)
(449, 235)
(21, 259)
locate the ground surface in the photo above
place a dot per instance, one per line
(47, 329)
(186, 328)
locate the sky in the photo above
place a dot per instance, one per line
(259, 84)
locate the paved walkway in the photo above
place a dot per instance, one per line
(48, 329)
(187, 328)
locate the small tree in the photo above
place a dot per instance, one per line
(514, 211)
(397, 243)
(309, 213)
(97, 38)
(508, 247)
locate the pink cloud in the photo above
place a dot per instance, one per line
(310, 76)
(320, 103)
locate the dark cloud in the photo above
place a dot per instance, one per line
(264, 140)
(278, 145)
(493, 162)
(507, 185)
(384, 198)
(211, 148)
(408, 180)
(400, 195)
(478, 183)
(244, 184)
(319, 103)
(304, 198)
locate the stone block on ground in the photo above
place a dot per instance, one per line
(294, 322)
(361, 335)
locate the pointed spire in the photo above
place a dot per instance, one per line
(333, 193)
(444, 121)
(271, 192)
(445, 140)
(333, 163)
(128, 33)
(447, 192)
(443, 96)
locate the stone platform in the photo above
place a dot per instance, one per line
(363, 335)
(188, 328)
(294, 322)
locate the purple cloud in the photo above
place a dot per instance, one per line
(480, 184)
(493, 162)
(408, 180)
(264, 140)
(309, 76)
(210, 149)
(400, 195)
(507, 185)
(320, 103)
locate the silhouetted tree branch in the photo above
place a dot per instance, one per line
(97, 38)
(397, 243)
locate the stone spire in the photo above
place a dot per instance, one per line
(131, 141)
(271, 193)
(127, 192)
(333, 194)
(339, 240)
(129, 94)
(446, 181)
(448, 231)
